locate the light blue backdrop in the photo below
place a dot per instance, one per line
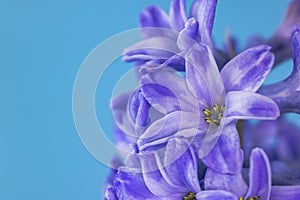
(42, 45)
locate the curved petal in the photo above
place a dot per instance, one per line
(161, 130)
(231, 183)
(124, 181)
(166, 79)
(181, 164)
(216, 195)
(177, 14)
(249, 105)
(139, 109)
(119, 109)
(226, 155)
(260, 175)
(204, 13)
(152, 48)
(153, 16)
(189, 35)
(248, 70)
(156, 179)
(285, 192)
(202, 76)
(160, 97)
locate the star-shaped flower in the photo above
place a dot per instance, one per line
(208, 102)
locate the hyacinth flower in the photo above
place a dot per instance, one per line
(207, 103)
(171, 177)
(260, 186)
(160, 32)
(281, 141)
(287, 92)
(150, 176)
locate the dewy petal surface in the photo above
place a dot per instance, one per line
(249, 105)
(204, 12)
(260, 175)
(203, 77)
(248, 70)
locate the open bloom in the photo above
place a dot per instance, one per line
(209, 102)
(287, 92)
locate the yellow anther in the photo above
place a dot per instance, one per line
(214, 116)
(190, 196)
(207, 112)
(216, 108)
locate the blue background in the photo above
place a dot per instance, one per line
(42, 45)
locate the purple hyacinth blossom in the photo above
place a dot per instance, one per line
(150, 176)
(160, 31)
(281, 141)
(209, 102)
(260, 185)
(287, 92)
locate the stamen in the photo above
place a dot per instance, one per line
(207, 112)
(214, 116)
(190, 196)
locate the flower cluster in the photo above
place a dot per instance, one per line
(188, 132)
